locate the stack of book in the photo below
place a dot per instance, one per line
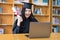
(18, 1)
(56, 11)
(43, 2)
(0, 9)
(2, 0)
(26, 1)
(55, 20)
(56, 2)
(55, 29)
(38, 11)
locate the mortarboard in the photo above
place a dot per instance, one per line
(27, 5)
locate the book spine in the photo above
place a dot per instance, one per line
(0, 9)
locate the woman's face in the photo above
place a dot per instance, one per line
(27, 12)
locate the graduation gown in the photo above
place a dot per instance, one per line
(24, 26)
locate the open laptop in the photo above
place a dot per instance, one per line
(39, 29)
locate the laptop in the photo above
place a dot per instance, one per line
(39, 30)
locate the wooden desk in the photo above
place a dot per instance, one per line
(54, 36)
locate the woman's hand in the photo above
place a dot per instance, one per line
(19, 20)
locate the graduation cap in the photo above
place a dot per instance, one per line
(27, 5)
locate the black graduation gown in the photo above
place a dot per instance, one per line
(24, 26)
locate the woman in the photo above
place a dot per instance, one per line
(21, 25)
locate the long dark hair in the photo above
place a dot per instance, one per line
(23, 14)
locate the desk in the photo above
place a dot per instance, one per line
(54, 36)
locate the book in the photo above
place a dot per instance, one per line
(36, 10)
(36, 2)
(55, 20)
(52, 29)
(55, 11)
(59, 12)
(26, 1)
(54, 2)
(2, 0)
(41, 12)
(1, 31)
(58, 2)
(18, 1)
(45, 1)
(55, 29)
(41, 2)
(0, 9)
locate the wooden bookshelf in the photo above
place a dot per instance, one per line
(57, 7)
(45, 10)
(6, 16)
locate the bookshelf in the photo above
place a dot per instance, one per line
(56, 15)
(6, 16)
(43, 7)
